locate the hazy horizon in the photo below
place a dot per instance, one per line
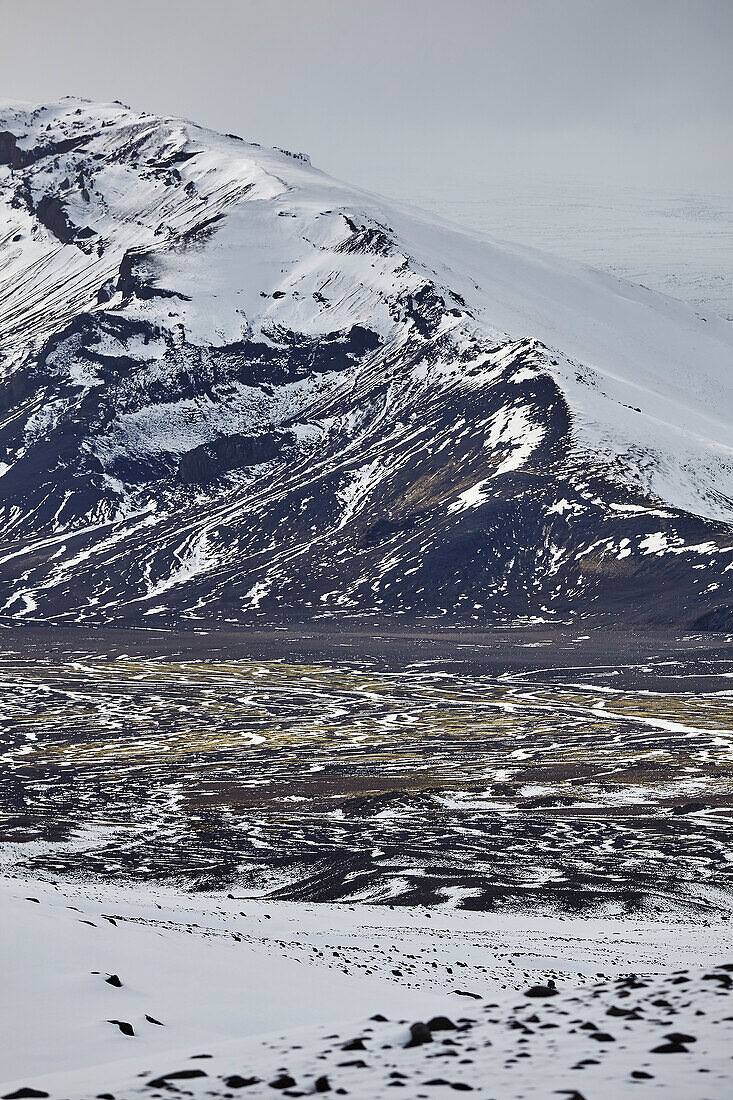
(594, 91)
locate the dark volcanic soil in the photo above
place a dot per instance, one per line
(640, 657)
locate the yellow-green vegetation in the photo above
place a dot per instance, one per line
(264, 722)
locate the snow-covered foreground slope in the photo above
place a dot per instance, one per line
(234, 388)
(241, 994)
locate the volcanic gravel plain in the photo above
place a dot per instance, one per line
(499, 770)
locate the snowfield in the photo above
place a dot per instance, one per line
(131, 991)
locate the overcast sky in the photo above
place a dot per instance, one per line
(387, 93)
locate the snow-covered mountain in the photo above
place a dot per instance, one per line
(233, 388)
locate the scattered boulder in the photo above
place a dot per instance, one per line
(441, 1023)
(23, 1092)
(670, 1048)
(125, 1028)
(282, 1082)
(614, 1010)
(176, 1075)
(419, 1034)
(354, 1044)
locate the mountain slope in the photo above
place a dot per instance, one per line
(233, 388)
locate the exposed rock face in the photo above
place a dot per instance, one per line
(211, 460)
(234, 389)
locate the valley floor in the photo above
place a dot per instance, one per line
(578, 770)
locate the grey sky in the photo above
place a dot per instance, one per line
(387, 92)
